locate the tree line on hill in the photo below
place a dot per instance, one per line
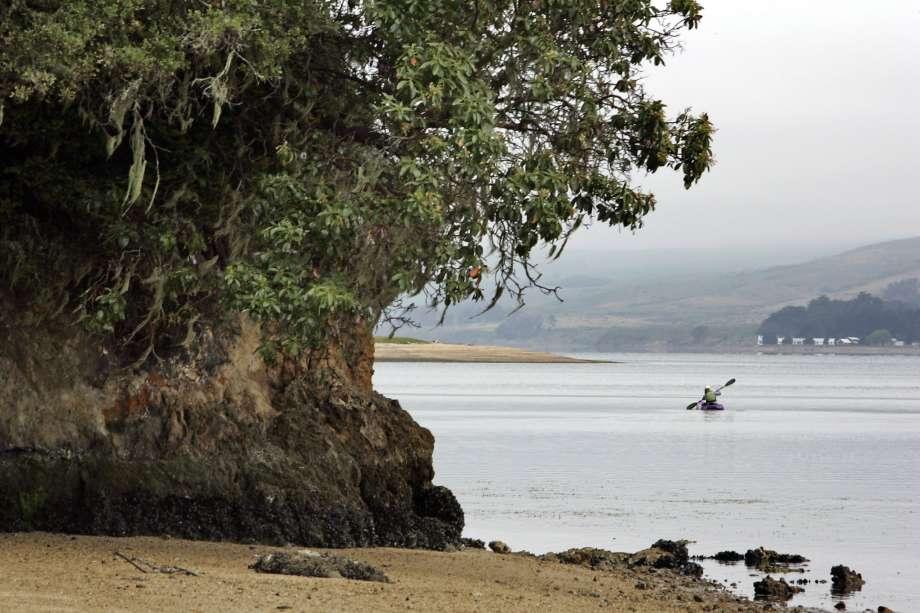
(905, 290)
(873, 319)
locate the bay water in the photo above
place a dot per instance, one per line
(815, 454)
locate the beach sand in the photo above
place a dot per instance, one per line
(49, 572)
(446, 352)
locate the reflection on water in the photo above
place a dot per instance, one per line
(815, 455)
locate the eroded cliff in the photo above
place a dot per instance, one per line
(212, 444)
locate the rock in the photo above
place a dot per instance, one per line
(844, 580)
(728, 556)
(651, 557)
(884, 610)
(765, 557)
(589, 557)
(770, 588)
(311, 564)
(678, 549)
(472, 543)
(662, 554)
(672, 555)
(771, 562)
(691, 569)
(499, 547)
(753, 557)
(841, 606)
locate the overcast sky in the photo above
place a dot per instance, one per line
(817, 103)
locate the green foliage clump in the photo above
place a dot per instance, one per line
(879, 338)
(165, 163)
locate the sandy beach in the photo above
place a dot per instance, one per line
(49, 572)
(446, 352)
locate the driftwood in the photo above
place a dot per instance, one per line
(148, 567)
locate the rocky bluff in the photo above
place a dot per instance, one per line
(211, 443)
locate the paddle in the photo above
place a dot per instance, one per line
(693, 405)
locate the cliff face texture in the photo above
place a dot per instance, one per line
(212, 445)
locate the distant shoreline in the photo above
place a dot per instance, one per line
(447, 352)
(411, 350)
(844, 350)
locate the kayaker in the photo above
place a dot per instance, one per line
(710, 395)
(710, 400)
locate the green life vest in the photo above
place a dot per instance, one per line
(710, 396)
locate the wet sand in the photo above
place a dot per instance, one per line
(446, 352)
(46, 572)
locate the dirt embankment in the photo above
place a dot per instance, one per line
(43, 572)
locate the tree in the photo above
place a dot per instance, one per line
(167, 163)
(905, 290)
(879, 337)
(859, 316)
(191, 181)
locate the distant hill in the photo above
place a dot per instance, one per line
(611, 306)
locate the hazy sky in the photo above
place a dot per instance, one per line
(817, 103)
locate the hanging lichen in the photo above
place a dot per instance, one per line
(139, 165)
(218, 88)
(123, 102)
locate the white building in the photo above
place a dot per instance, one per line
(760, 340)
(832, 342)
(819, 342)
(780, 340)
(797, 340)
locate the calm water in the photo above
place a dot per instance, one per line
(817, 455)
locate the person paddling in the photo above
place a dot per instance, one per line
(710, 398)
(710, 395)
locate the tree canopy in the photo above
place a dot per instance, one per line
(860, 316)
(905, 290)
(165, 162)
